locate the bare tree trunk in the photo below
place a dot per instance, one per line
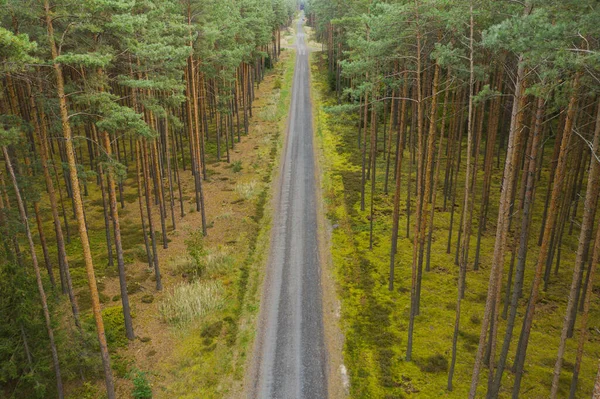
(501, 230)
(524, 238)
(419, 207)
(584, 236)
(38, 276)
(583, 335)
(118, 247)
(462, 268)
(396, 214)
(544, 249)
(85, 244)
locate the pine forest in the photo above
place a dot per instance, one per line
(299, 199)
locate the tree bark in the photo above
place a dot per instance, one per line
(85, 244)
(38, 276)
(544, 249)
(584, 237)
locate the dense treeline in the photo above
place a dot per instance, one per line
(93, 92)
(458, 99)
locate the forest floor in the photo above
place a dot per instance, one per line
(206, 357)
(375, 320)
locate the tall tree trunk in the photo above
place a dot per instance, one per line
(583, 335)
(462, 267)
(118, 246)
(373, 165)
(502, 226)
(584, 237)
(419, 206)
(146, 169)
(399, 157)
(436, 178)
(524, 238)
(544, 249)
(427, 176)
(40, 227)
(38, 276)
(40, 128)
(85, 244)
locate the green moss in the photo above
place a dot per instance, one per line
(375, 320)
(114, 326)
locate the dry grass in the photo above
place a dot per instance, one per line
(269, 111)
(218, 262)
(247, 190)
(189, 302)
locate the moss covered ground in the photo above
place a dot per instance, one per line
(375, 320)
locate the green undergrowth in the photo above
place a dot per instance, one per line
(375, 320)
(210, 358)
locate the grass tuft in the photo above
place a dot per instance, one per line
(190, 302)
(248, 190)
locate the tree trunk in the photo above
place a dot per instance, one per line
(524, 238)
(419, 207)
(544, 249)
(38, 276)
(118, 246)
(501, 230)
(396, 214)
(584, 238)
(85, 244)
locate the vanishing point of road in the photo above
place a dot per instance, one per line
(290, 354)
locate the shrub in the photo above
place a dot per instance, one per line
(183, 265)
(139, 253)
(434, 364)
(188, 302)
(86, 391)
(213, 262)
(141, 386)
(196, 251)
(120, 365)
(236, 166)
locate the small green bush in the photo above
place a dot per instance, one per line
(236, 166)
(120, 365)
(141, 386)
(196, 251)
(86, 391)
(434, 364)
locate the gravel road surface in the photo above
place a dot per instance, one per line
(290, 355)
